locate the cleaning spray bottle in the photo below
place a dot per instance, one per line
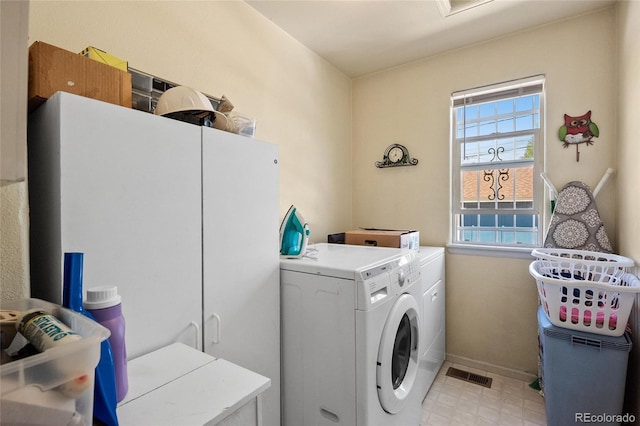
(104, 303)
(104, 393)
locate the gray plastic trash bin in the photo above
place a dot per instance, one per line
(583, 375)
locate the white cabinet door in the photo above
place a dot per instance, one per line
(240, 257)
(124, 188)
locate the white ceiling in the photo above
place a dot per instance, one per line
(360, 36)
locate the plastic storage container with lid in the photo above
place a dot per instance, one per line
(32, 388)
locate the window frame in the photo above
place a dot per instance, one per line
(493, 93)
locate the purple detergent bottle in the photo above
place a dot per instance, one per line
(105, 305)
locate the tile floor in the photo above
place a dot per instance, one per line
(509, 402)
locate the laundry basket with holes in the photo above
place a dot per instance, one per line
(594, 296)
(591, 257)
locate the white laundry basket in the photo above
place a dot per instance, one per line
(590, 257)
(595, 296)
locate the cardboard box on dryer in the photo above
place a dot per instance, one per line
(409, 239)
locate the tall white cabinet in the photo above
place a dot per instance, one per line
(183, 219)
(240, 249)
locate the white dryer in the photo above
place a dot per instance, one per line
(432, 350)
(351, 319)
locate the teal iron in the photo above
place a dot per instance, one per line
(294, 234)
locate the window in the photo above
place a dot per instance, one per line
(497, 153)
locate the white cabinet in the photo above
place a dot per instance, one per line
(177, 385)
(183, 219)
(241, 271)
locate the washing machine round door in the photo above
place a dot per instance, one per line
(398, 354)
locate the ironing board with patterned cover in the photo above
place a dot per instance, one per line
(576, 223)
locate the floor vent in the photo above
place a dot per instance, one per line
(470, 377)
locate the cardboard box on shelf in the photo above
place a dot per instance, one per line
(384, 238)
(52, 69)
(106, 58)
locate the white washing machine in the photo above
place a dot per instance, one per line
(351, 336)
(432, 351)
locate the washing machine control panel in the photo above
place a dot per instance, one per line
(406, 274)
(386, 280)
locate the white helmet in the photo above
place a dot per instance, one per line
(184, 99)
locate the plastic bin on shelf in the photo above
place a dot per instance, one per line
(44, 389)
(583, 374)
(589, 296)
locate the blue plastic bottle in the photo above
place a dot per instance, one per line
(104, 303)
(104, 393)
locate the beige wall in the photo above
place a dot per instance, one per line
(628, 175)
(491, 302)
(628, 152)
(14, 242)
(300, 102)
(225, 47)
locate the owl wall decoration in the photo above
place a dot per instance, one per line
(577, 130)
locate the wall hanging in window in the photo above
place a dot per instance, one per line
(577, 130)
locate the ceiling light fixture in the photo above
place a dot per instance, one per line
(451, 7)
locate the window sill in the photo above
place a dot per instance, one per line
(491, 251)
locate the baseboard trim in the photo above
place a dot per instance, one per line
(485, 366)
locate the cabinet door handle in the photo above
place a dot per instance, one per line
(218, 329)
(197, 328)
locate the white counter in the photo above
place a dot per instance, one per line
(180, 385)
